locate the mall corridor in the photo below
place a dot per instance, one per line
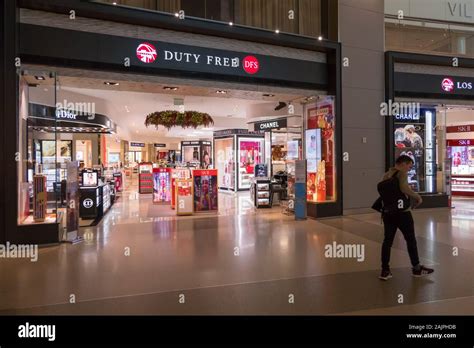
(251, 263)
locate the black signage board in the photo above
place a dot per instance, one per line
(238, 131)
(270, 124)
(190, 143)
(441, 86)
(159, 145)
(48, 116)
(98, 50)
(137, 144)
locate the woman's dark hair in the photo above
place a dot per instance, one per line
(404, 159)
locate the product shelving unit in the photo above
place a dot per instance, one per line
(145, 178)
(262, 193)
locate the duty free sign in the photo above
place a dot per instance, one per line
(76, 47)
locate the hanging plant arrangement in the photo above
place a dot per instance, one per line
(173, 118)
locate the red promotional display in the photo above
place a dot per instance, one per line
(177, 174)
(205, 190)
(118, 182)
(161, 185)
(321, 116)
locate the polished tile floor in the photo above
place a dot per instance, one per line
(142, 259)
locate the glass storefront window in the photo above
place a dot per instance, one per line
(320, 150)
(415, 136)
(40, 152)
(424, 36)
(302, 17)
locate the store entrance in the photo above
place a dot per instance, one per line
(440, 140)
(459, 146)
(161, 169)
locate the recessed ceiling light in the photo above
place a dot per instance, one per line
(231, 24)
(277, 31)
(109, 83)
(40, 78)
(320, 38)
(221, 92)
(269, 95)
(126, 108)
(176, 14)
(168, 88)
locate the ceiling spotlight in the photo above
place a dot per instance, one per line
(109, 83)
(40, 78)
(277, 31)
(221, 92)
(231, 24)
(320, 38)
(114, 3)
(280, 106)
(176, 14)
(167, 88)
(268, 95)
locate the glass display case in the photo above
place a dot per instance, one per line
(225, 163)
(250, 153)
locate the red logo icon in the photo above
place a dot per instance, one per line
(447, 85)
(146, 52)
(251, 65)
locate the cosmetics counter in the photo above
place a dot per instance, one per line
(96, 195)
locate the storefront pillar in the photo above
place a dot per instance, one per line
(8, 113)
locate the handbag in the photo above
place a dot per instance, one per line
(378, 205)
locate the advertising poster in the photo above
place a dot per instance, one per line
(72, 199)
(191, 153)
(171, 156)
(205, 190)
(409, 141)
(250, 154)
(89, 178)
(261, 170)
(321, 170)
(462, 158)
(225, 165)
(293, 150)
(161, 185)
(206, 157)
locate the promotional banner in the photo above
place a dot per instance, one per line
(161, 185)
(205, 191)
